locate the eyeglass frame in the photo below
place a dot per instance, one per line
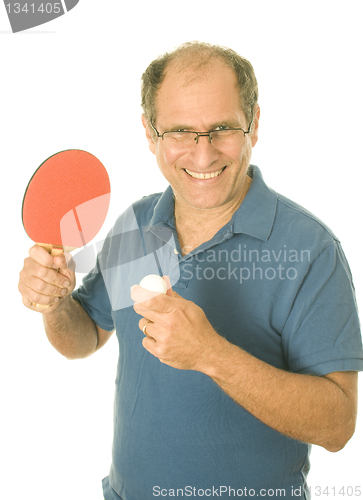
(202, 134)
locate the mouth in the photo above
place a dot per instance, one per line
(209, 175)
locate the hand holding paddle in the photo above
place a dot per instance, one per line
(64, 207)
(45, 279)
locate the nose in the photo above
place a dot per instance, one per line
(203, 154)
(201, 134)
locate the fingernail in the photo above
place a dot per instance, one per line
(66, 284)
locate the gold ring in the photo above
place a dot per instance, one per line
(144, 327)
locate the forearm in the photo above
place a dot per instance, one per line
(70, 330)
(308, 408)
(312, 409)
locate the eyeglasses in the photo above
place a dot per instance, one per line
(222, 136)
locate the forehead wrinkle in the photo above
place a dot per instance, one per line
(193, 61)
(187, 73)
(195, 72)
(191, 78)
(194, 69)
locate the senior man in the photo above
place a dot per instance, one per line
(252, 355)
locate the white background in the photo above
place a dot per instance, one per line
(75, 83)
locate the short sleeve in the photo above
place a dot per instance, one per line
(93, 297)
(322, 331)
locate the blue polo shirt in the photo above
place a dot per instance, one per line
(275, 282)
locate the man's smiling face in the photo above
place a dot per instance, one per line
(203, 175)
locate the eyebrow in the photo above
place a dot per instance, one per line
(175, 128)
(226, 123)
(221, 123)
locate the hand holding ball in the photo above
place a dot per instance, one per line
(154, 283)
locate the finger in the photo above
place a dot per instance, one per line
(145, 326)
(33, 298)
(34, 289)
(58, 262)
(41, 256)
(32, 306)
(149, 344)
(63, 260)
(170, 292)
(29, 304)
(44, 288)
(141, 295)
(65, 264)
(36, 276)
(42, 308)
(151, 313)
(48, 275)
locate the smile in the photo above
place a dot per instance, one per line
(195, 175)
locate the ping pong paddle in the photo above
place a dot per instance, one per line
(66, 201)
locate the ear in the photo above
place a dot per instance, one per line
(150, 140)
(255, 125)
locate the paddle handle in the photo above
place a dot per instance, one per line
(53, 251)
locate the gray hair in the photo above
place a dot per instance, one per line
(197, 55)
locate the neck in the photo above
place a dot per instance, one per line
(196, 226)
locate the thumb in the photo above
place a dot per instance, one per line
(65, 264)
(170, 292)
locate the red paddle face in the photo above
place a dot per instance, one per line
(66, 201)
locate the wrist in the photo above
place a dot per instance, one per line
(216, 363)
(57, 307)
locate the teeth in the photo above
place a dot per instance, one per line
(204, 176)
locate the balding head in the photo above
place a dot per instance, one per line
(192, 61)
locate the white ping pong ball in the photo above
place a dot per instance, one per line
(154, 283)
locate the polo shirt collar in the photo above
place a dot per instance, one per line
(254, 217)
(256, 214)
(164, 210)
